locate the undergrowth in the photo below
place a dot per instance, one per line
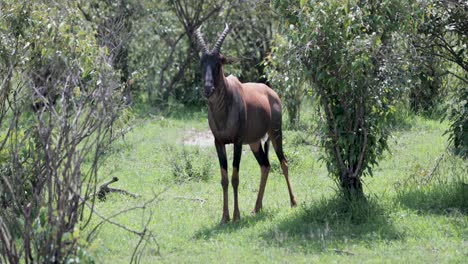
(415, 208)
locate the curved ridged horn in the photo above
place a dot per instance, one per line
(201, 42)
(218, 44)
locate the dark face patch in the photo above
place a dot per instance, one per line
(211, 64)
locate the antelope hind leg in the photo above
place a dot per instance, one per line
(262, 160)
(235, 179)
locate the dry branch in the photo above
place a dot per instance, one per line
(190, 198)
(104, 189)
(430, 175)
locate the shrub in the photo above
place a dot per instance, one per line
(190, 165)
(354, 54)
(58, 105)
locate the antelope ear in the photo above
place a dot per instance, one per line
(227, 60)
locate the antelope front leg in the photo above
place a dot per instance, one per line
(221, 150)
(235, 178)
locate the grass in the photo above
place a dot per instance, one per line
(407, 217)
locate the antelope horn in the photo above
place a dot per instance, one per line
(201, 42)
(223, 35)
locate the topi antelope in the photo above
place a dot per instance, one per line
(240, 113)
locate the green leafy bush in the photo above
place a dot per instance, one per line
(286, 78)
(59, 101)
(354, 54)
(457, 114)
(443, 31)
(190, 165)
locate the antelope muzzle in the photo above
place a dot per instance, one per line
(209, 90)
(209, 83)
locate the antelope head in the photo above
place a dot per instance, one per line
(212, 62)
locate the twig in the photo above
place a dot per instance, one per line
(138, 233)
(144, 206)
(135, 251)
(190, 198)
(429, 176)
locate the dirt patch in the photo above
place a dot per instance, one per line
(198, 138)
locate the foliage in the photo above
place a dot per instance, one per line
(445, 24)
(427, 221)
(355, 55)
(254, 27)
(16, 144)
(67, 68)
(458, 115)
(428, 93)
(188, 165)
(164, 56)
(286, 78)
(113, 21)
(59, 101)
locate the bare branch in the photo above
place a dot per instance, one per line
(190, 198)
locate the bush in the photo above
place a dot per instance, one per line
(190, 165)
(427, 94)
(286, 79)
(16, 148)
(458, 116)
(444, 24)
(59, 102)
(354, 53)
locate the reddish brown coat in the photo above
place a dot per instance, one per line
(241, 113)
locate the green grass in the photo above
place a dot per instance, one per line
(406, 217)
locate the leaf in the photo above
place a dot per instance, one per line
(302, 2)
(26, 45)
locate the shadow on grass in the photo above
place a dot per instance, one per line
(437, 198)
(443, 191)
(333, 223)
(245, 222)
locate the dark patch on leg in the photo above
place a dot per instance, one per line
(221, 150)
(262, 157)
(235, 178)
(237, 155)
(224, 182)
(266, 146)
(264, 163)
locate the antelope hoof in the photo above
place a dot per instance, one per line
(293, 203)
(256, 210)
(236, 217)
(225, 220)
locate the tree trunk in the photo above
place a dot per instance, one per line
(352, 186)
(293, 114)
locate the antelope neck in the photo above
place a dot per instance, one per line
(220, 101)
